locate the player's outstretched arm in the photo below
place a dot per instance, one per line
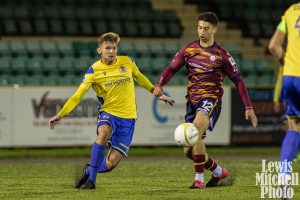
(166, 99)
(54, 120)
(143, 81)
(158, 91)
(250, 114)
(72, 102)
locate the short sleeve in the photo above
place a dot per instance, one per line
(282, 26)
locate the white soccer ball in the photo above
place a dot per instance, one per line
(186, 134)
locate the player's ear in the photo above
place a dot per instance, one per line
(99, 50)
(215, 29)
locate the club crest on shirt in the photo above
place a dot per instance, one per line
(122, 69)
(212, 58)
(104, 73)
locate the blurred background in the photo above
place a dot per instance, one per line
(47, 45)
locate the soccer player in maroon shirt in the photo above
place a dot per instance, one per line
(207, 64)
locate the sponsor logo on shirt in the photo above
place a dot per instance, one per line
(117, 82)
(233, 64)
(200, 67)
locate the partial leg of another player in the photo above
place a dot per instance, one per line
(290, 144)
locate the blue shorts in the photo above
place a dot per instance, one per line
(122, 131)
(211, 107)
(291, 95)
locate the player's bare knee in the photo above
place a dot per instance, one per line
(102, 138)
(104, 133)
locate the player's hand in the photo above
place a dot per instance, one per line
(276, 107)
(166, 99)
(53, 121)
(158, 91)
(249, 113)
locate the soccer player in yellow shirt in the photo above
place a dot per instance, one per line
(278, 93)
(112, 79)
(289, 28)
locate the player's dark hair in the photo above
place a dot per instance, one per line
(210, 17)
(109, 37)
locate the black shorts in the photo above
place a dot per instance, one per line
(211, 107)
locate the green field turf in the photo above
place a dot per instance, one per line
(134, 151)
(137, 177)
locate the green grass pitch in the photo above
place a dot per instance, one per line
(137, 177)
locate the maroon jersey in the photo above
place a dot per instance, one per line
(206, 67)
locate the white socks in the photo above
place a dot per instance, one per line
(199, 177)
(218, 171)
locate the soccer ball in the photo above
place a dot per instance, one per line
(186, 134)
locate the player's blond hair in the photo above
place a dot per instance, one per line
(109, 37)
